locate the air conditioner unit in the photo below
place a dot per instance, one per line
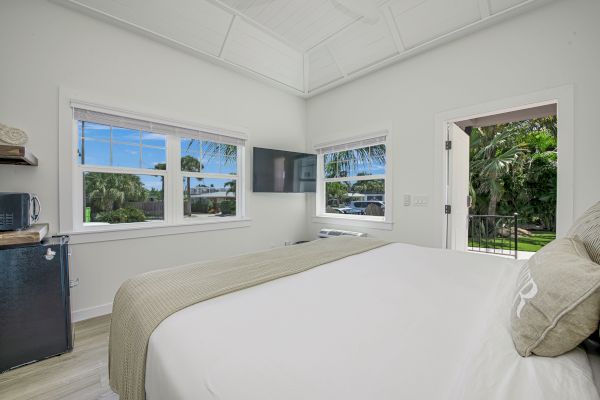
(326, 233)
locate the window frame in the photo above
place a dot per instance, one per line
(71, 193)
(355, 142)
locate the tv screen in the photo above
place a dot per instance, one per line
(283, 171)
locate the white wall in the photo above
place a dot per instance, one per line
(551, 46)
(44, 46)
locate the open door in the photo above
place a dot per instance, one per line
(458, 188)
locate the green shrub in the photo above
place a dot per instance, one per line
(227, 207)
(200, 206)
(122, 215)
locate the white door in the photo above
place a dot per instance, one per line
(458, 188)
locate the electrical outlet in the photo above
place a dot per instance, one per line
(421, 201)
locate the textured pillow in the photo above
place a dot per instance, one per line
(557, 301)
(587, 229)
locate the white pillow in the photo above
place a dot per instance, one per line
(557, 300)
(587, 229)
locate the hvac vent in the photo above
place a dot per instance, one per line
(326, 233)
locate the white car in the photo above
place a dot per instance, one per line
(362, 205)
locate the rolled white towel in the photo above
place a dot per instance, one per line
(12, 136)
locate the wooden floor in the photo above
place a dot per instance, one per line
(79, 375)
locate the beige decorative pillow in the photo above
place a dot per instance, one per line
(557, 302)
(587, 229)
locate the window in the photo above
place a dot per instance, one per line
(210, 178)
(353, 180)
(133, 172)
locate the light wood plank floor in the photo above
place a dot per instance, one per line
(79, 375)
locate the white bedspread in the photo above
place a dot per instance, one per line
(398, 322)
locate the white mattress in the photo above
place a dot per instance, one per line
(398, 322)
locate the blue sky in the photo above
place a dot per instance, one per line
(135, 149)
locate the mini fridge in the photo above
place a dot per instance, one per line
(35, 312)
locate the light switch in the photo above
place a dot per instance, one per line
(407, 200)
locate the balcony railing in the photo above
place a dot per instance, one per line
(494, 234)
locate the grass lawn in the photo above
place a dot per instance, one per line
(536, 241)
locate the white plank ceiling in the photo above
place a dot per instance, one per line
(305, 46)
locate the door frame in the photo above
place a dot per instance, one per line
(563, 98)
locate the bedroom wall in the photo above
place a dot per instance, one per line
(548, 47)
(44, 45)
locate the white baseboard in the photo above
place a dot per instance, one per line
(91, 312)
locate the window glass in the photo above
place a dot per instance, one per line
(122, 198)
(348, 197)
(219, 158)
(123, 135)
(190, 155)
(154, 140)
(229, 165)
(124, 175)
(208, 197)
(356, 193)
(208, 157)
(153, 158)
(93, 131)
(94, 152)
(357, 162)
(125, 155)
(102, 145)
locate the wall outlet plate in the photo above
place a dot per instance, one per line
(421, 201)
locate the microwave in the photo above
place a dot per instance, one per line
(18, 211)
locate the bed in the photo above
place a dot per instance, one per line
(396, 322)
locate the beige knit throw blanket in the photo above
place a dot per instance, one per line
(144, 301)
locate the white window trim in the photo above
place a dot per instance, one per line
(385, 222)
(70, 180)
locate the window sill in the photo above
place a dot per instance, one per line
(348, 221)
(122, 233)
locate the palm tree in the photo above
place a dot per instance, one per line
(494, 151)
(338, 192)
(341, 163)
(107, 192)
(189, 163)
(231, 187)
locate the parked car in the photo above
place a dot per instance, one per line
(362, 205)
(351, 210)
(344, 210)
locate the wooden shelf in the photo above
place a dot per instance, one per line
(33, 234)
(17, 155)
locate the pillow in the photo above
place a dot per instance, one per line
(557, 301)
(587, 229)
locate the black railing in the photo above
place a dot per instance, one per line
(494, 234)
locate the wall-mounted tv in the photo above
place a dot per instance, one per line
(281, 171)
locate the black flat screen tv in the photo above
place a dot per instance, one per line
(279, 171)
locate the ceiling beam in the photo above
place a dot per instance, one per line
(306, 73)
(336, 62)
(252, 22)
(485, 9)
(393, 28)
(233, 17)
(334, 34)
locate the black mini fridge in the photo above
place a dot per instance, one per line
(35, 312)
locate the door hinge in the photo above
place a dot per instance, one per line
(448, 144)
(448, 209)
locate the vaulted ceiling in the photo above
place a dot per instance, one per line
(305, 46)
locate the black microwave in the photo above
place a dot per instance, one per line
(18, 211)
